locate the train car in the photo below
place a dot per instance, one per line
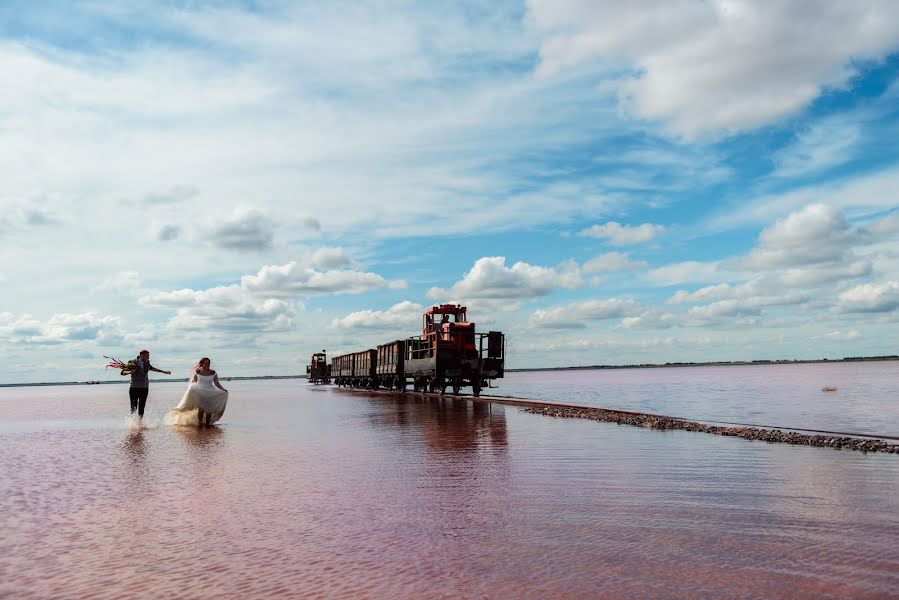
(342, 369)
(390, 368)
(364, 369)
(318, 370)
(451, 353)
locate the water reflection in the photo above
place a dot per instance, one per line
(447, 424)
(200, 438)
(324, 493)
(134, 445)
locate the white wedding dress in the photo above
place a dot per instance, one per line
(201, 394)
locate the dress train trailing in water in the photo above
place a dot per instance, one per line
(201, 395)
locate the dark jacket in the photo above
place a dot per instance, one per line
(140, 376)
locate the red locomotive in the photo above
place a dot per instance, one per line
(448, 353)
(318, 370)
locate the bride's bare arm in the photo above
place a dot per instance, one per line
(215, 380)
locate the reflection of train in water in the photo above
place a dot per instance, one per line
(448, 354)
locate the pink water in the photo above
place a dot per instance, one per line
(307, 491)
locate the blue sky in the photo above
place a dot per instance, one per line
(255, 181)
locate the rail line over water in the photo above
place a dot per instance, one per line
(797, 436)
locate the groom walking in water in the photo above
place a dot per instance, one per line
(140, 381)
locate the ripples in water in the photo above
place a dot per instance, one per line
(310, 491)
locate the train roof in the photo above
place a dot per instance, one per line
(451, 309)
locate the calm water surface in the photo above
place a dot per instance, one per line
(308, 491)
(785, 395)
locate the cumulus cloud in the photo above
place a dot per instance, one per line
(223, 296)
(721, 66)
(649, 319)
(730, 311)
(331, 258)
(490, 278)
(815, 234)
(167, 233)
(870, 298)
(293, 280)
(249, 230)
(758, 292)
(123, 282)
(577, 315)
(400, 317)
(60, 328)
(611, 262)
(223, 309)
(623, 235)
(23, 216)
(23, 326)
(242, 316)
(690, 271)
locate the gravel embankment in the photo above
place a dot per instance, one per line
(749, 433)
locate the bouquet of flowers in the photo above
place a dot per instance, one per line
(117, 364)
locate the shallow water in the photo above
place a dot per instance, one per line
(866, 399)
(315, 492)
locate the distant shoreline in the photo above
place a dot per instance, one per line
(723, 363)
(731, 363)
(128, 381)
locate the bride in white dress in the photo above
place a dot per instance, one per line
(205, 399)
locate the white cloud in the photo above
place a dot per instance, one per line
(24, 215)
(757, 293)
(331, 258)
(294, 280)
(168, 233)
(824, 145)
(729, 311)
(611, 262)
(399, 317)
(721, 66)
(578, 315)
(223, 297)
(852, 334)
(816, 234)
(244, 316)
(685, 272)
(623, 235)
(244, 230)
(177, 194)
(123, 282)
(61, 327)
(859, 194)
(490, 278)
(649, 319)
(886, 226)
(870, 298)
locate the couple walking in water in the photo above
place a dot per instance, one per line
(203, 403)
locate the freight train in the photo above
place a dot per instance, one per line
(449, 353)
